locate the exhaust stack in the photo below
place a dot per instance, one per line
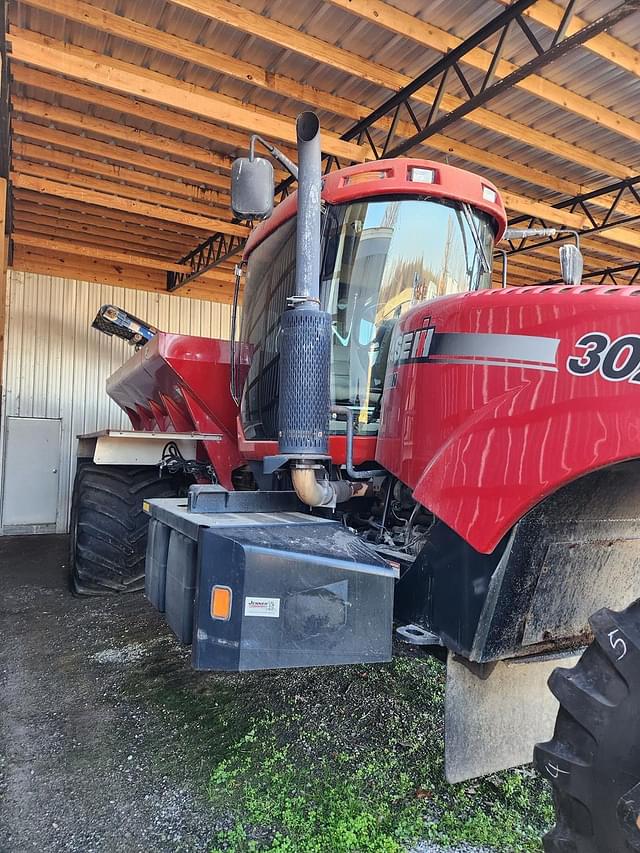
(305, 340)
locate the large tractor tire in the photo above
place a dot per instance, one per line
(593, 760)
(108, 527)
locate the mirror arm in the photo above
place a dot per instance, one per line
(288, 164)
(523, 233)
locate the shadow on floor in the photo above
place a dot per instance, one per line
(78, 754)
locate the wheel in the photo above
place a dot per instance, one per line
(108, 527)
(593, 760)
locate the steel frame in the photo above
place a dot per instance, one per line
(444, 70)
(600, 218)
(607, 275)
(209, 254)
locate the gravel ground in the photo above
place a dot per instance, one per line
(77, 767)
(90, 760)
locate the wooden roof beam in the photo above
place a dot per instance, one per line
(72, 248)
(101, 254)
(130, 105)
(122, 190)
(86, 219)
(40, 153)
(86, 145)
(401, 23)
(111, 129)
(438, 142)
(64, 229)
(64, 265)
(145, 224)
(313, 97)
(319, 51)
(88, 66)
(514, 202)
(104, 199)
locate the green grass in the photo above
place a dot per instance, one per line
(350, 760)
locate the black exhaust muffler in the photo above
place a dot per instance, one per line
(305, 340)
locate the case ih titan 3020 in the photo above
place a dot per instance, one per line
(389, 441)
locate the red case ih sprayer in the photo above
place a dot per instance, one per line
(389, 441)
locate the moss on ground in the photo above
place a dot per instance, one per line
(331, 760)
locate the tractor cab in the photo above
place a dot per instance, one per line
(393, 234)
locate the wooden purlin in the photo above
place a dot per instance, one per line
(104, 199)
(100, 70)
(66, 266)
(350, 63)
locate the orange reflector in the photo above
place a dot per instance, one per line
(363, 177)
(221, 603)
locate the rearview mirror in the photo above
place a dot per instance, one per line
(571, 264)
(252, 188)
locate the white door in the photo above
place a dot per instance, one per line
(31, 472)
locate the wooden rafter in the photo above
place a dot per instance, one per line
(118, 188)
(316, 98)
(130, 105)
(71, 248)
(56, 228)
(81, 121)
(314, 48)
(86, 65)
(417, 30)
(88, 269)
(110, 228)
(513, 201)
(48, 135)
(173, 232)
(206, 199)
(104, 199)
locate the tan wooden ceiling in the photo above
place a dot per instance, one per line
(125, 116)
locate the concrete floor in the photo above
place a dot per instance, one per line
(79, 767)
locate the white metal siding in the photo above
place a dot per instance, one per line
(56, 365)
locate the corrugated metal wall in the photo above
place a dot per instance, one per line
(55, 364)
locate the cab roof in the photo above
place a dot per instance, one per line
(400, 176)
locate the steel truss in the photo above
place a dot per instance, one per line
(209, 254)
(606, 275)
(378, 129)
(600, 216)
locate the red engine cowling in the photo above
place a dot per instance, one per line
(494, 400)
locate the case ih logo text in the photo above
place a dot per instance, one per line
(616, 361)
(414, 346)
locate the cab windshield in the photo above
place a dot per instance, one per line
(379, 258)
